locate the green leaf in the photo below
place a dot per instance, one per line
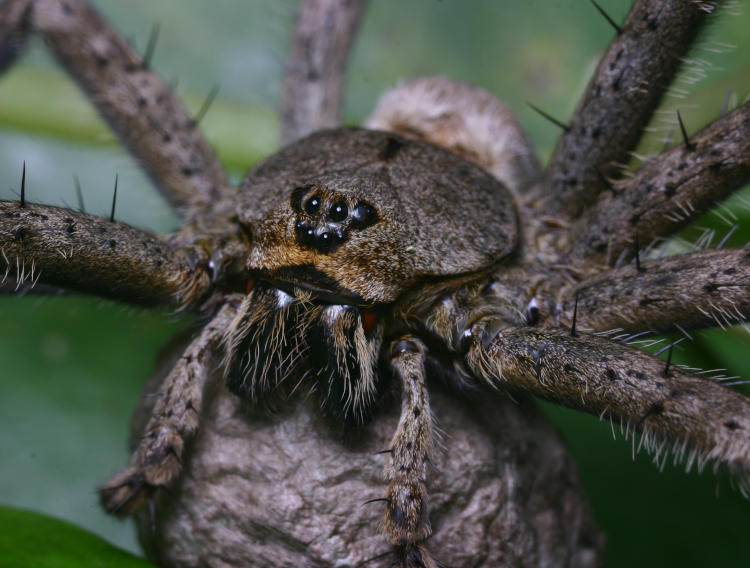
(31, 539)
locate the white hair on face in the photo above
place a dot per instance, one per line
(283, 298)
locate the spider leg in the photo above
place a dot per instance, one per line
(66, 249)
(702, 421)
(136, 103)
(406, 522)
(667, 192)
(174, 418)
(464, 119)
(314, 71)
(14, 31)
(620, 99)
(701, 289)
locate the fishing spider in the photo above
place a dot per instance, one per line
(355, 264)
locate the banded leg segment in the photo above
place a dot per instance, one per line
(702, 289)
(700, 420)
(175, 417)
(75, 251)
(137, 104)
(626, 88)
(406, 522)
(314, 72)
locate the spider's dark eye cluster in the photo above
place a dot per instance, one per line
(325, 218)
(324, 238)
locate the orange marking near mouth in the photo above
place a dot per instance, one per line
(369, 319)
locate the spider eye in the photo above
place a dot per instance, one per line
(305, 231)
(339, 211)
(312, 205)
(364, 215)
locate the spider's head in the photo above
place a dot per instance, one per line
(359, 217)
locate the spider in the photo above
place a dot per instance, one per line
(542, 312)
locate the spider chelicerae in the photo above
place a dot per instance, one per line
(544, 304)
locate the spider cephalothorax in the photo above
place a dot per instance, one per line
(363, 264)
(349, 221)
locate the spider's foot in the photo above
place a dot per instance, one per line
(405, 520)
(156, 463)
(412, 556)
(126, 492)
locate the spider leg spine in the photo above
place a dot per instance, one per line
(607, 17)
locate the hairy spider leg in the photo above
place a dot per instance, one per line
(405, 521)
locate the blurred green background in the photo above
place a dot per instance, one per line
(72, 368)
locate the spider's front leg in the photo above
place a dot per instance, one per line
(701, 421)
(406, 522)
(147, 117)
(74, 251)
(175, 417)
